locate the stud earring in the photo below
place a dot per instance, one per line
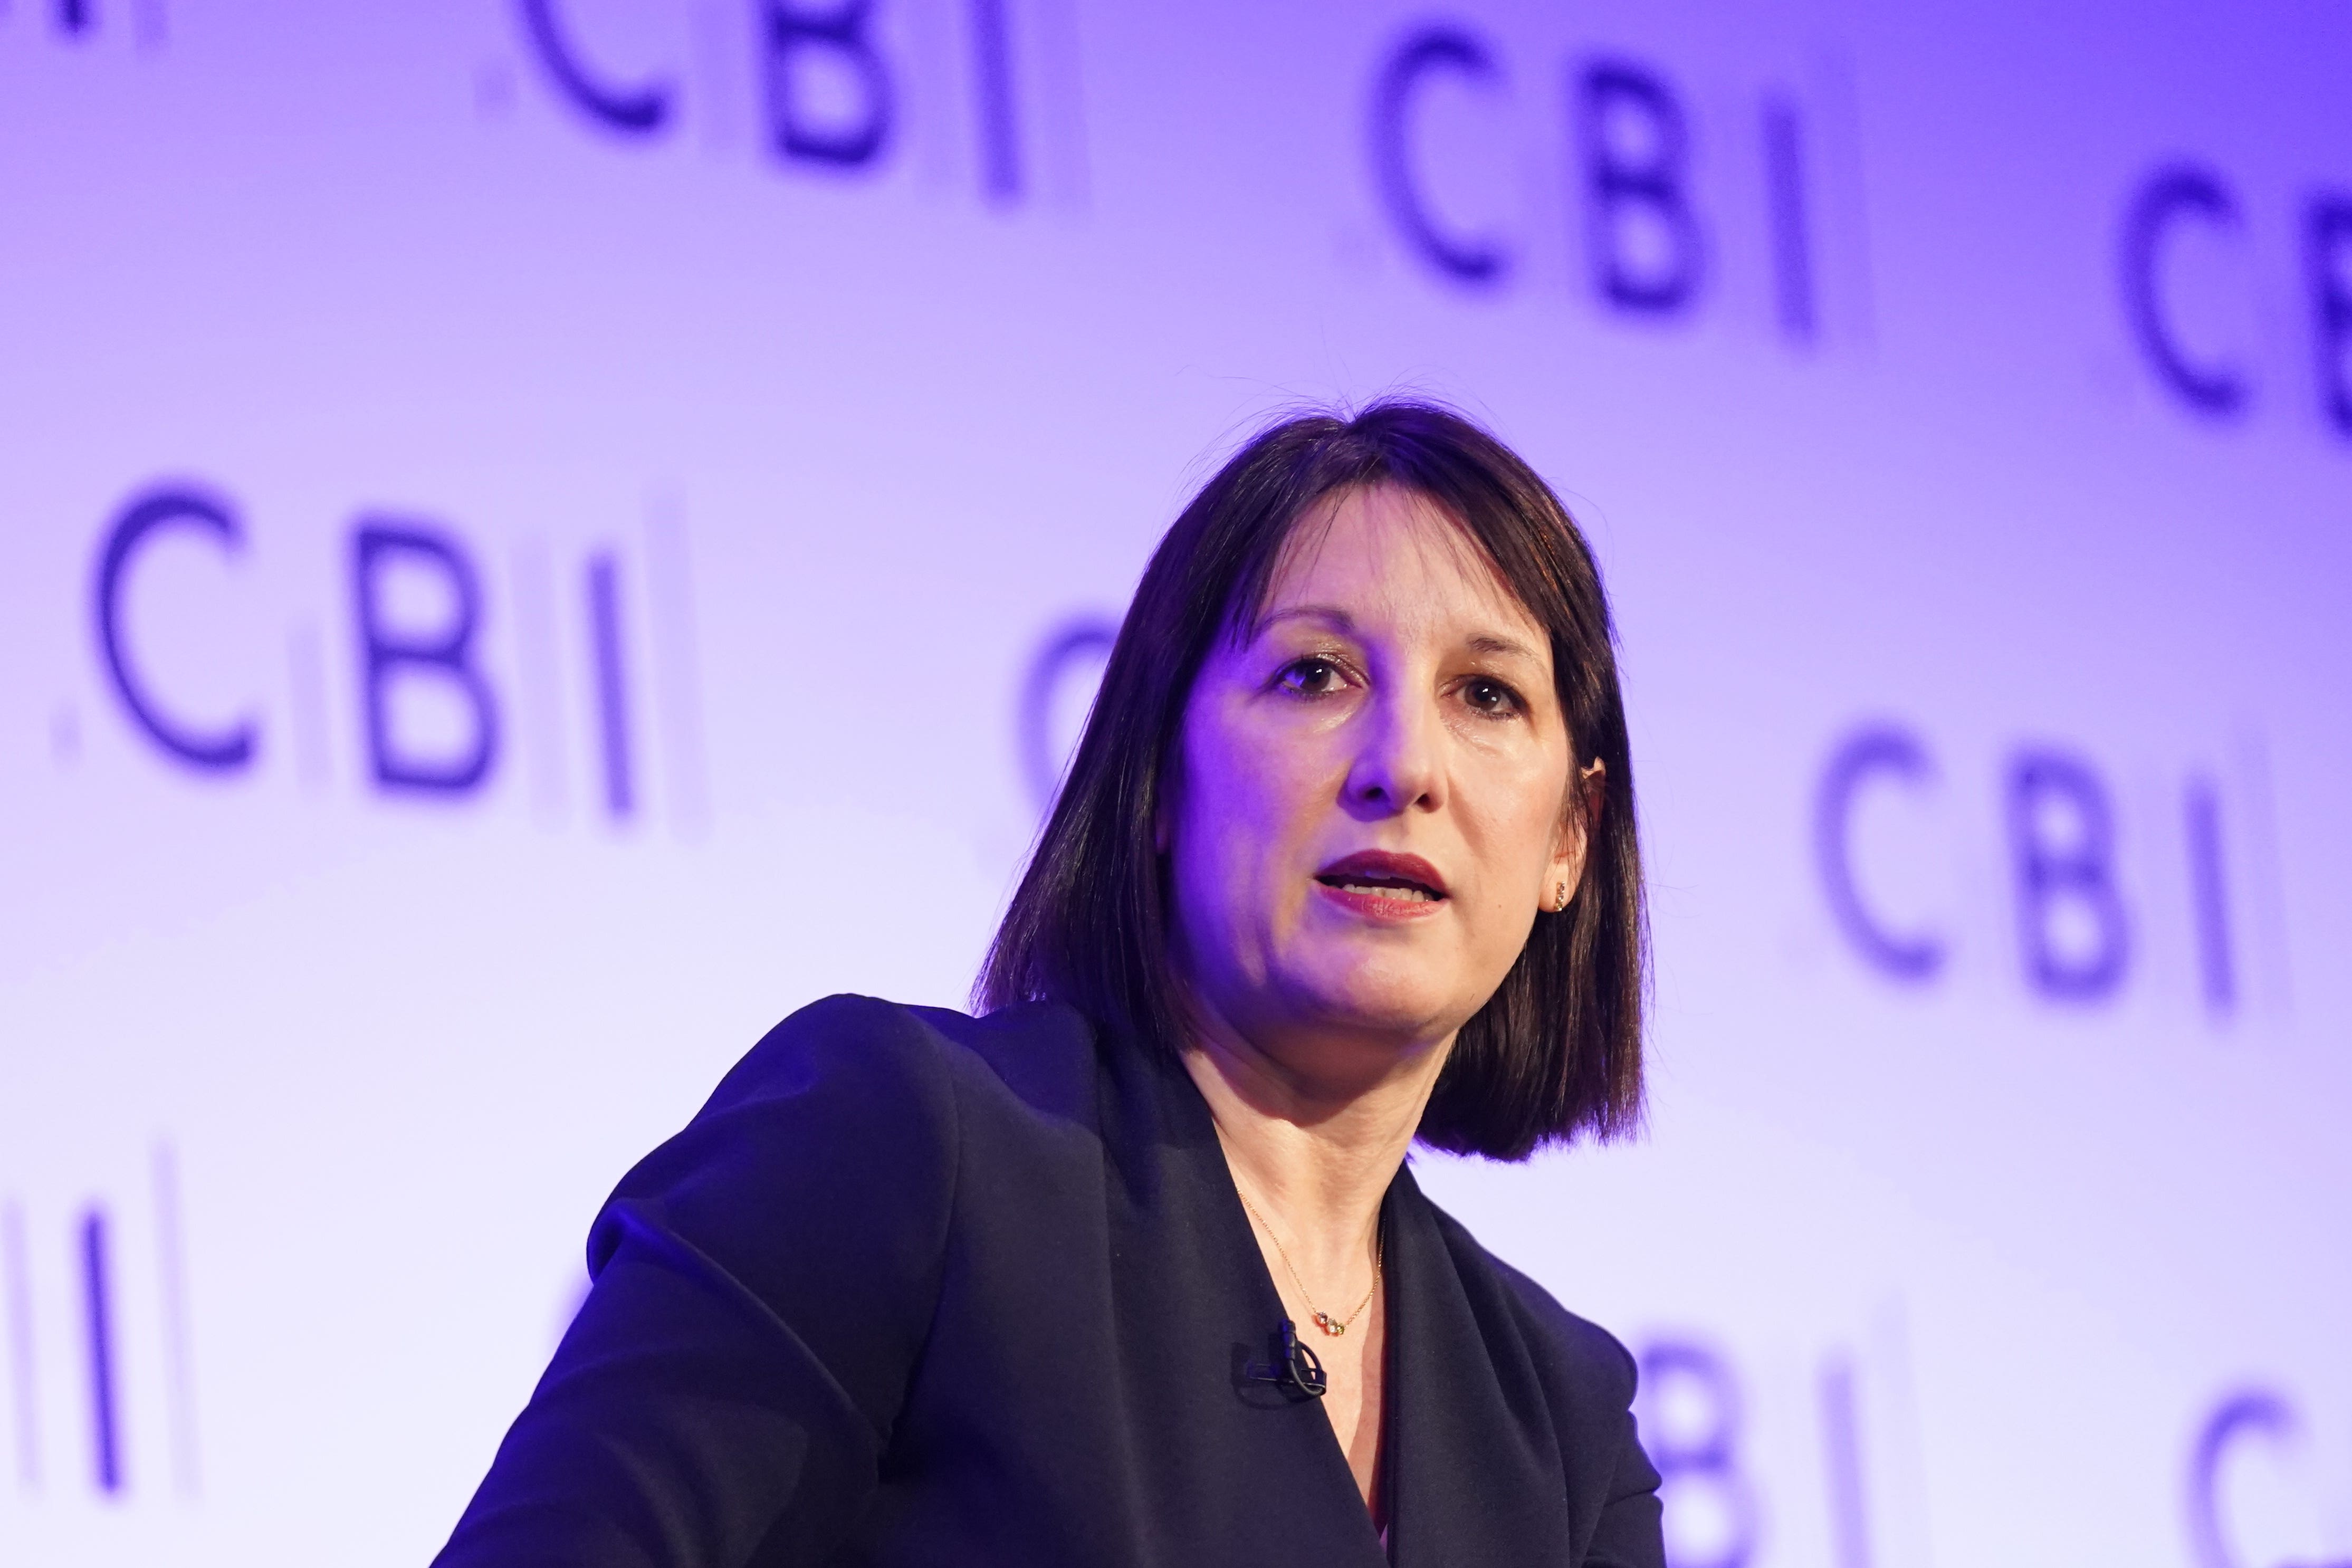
(1560, 900)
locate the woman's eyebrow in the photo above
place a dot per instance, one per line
(1332, 615)
(1339, 620)
(1495, 642)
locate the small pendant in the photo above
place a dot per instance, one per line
(1329, 1324)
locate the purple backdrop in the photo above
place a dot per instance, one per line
(540, 536)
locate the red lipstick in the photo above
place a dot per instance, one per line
(1383, 886)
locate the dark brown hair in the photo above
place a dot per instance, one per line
(1557, 1049)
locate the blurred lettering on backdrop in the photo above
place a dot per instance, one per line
(543, 534)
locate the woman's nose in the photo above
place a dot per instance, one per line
(1396, 765)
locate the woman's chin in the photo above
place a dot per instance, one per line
(1387, 1004)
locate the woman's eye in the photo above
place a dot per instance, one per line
(1311, 677)
(1490, 696)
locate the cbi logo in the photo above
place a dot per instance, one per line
(98, 1365)
(2082, 895)
(2256, 1488)
(1648, 216)
(832, 82)
(440, 703)
(2185, 220)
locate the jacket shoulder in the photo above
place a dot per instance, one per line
(844, 1038)
(1044, 1053)
(1572, 1352)
(874, 1079)
(765, 1282)
(1580, 1343)
(846, 1106)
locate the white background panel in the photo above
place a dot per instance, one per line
(1928, 1269)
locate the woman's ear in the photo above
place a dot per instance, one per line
(1586, 797)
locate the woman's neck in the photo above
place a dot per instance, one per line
(1315, 1151)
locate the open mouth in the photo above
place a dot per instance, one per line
(1376, 874)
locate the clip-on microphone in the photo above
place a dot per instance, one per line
(1297, 1368)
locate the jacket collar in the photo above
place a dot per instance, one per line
(1472, 1462)
(1475, 1466)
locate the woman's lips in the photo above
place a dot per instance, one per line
(1383, 886)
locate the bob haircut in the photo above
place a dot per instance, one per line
(1556, 1050)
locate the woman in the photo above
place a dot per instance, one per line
(1129, 1268)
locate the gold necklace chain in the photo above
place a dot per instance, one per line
(1323, 1321)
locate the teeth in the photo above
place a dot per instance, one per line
(1387, 890)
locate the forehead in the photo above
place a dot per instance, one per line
(1387, 552)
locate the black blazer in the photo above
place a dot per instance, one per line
(915, 1288)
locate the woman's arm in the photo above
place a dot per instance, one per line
(764, 1283)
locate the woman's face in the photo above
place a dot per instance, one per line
(1373, 801)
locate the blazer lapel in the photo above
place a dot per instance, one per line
(1239, 1471)
(1474, 1460)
